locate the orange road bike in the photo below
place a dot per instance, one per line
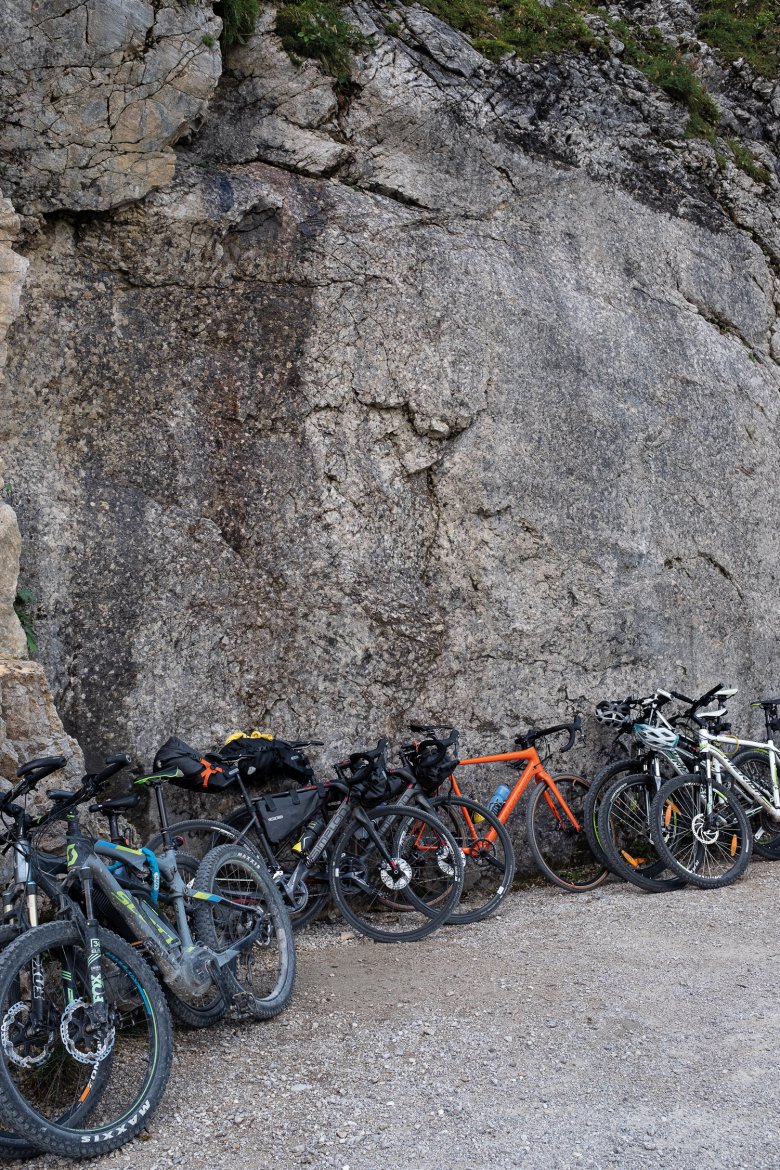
(554, 812)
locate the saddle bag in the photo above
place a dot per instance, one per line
(199, 773)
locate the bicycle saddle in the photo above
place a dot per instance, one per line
(116, 803)
(57, 795)
(44, 766)
(766, 703)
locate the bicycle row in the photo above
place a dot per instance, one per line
(687, 801)
(103, 943)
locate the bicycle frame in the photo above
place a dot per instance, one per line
(713, 755)
(534, 770)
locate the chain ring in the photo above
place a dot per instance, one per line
(69, 1042)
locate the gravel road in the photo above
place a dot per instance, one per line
(613, 1030)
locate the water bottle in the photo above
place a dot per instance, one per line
(311, 831)
(498, 799)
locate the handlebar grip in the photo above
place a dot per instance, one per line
(682, 698)
(710, 694)
(114, 764)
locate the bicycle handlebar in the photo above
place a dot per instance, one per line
(531, 736)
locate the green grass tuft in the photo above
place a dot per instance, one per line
(746, 162)
(239, 18)
(743, 28)
(317, 30)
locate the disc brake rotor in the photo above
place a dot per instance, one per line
(703, 834)
(14, 1032)
(78, 1033)
(398, 880)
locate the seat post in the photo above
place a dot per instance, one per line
(162, 812)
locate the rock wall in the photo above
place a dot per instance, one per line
(457, 400)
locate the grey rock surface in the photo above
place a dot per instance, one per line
(92, 95)
(457, 400)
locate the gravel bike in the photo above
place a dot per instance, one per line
(554, 823)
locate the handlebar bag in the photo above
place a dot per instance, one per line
(198, 772)
(259, 757)
(432, 765)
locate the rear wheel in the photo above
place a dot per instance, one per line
(312, 894)
(261, 977)
(766, 832)
(701, 830)
(488, 855)
(559, 846)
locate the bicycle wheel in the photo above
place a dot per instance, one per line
(196, 838)
(594, 797)
(766, 832)
(488, 856)
(561, 850)
(70, 1084)
(398, 880)
(312, 895)
(625, 835)
(701, 830)
(261, 977)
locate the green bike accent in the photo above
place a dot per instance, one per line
(71, 856)
(176, 774)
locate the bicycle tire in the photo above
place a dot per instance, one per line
(626, 836)
(402, 904)
(489, 866)
(262, 977)
(315, 896)
(695, 847)
(197, 836)
(134, 996)
(572, 866)
(593, 799)
(766, 832)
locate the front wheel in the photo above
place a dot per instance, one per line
(261, 976)
(626, 836)
(396, 873)
(701, 830)
(76, 1081)
(558, 843)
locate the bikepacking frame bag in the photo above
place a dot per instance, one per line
(284, 813)
(198, 773)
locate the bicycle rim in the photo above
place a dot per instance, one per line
(707, 838)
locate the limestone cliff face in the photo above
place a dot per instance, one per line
(457, 400)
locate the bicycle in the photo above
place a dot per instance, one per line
(82, 1003)
(554, 820)
(712, 841)
(486, 847)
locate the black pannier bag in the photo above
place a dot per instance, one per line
(259, 757)
(284, 813)
(431, 765)
(198, 772)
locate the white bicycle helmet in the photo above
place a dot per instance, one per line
(658, 738)
(613, 714)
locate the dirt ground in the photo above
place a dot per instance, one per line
(613, 1030)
